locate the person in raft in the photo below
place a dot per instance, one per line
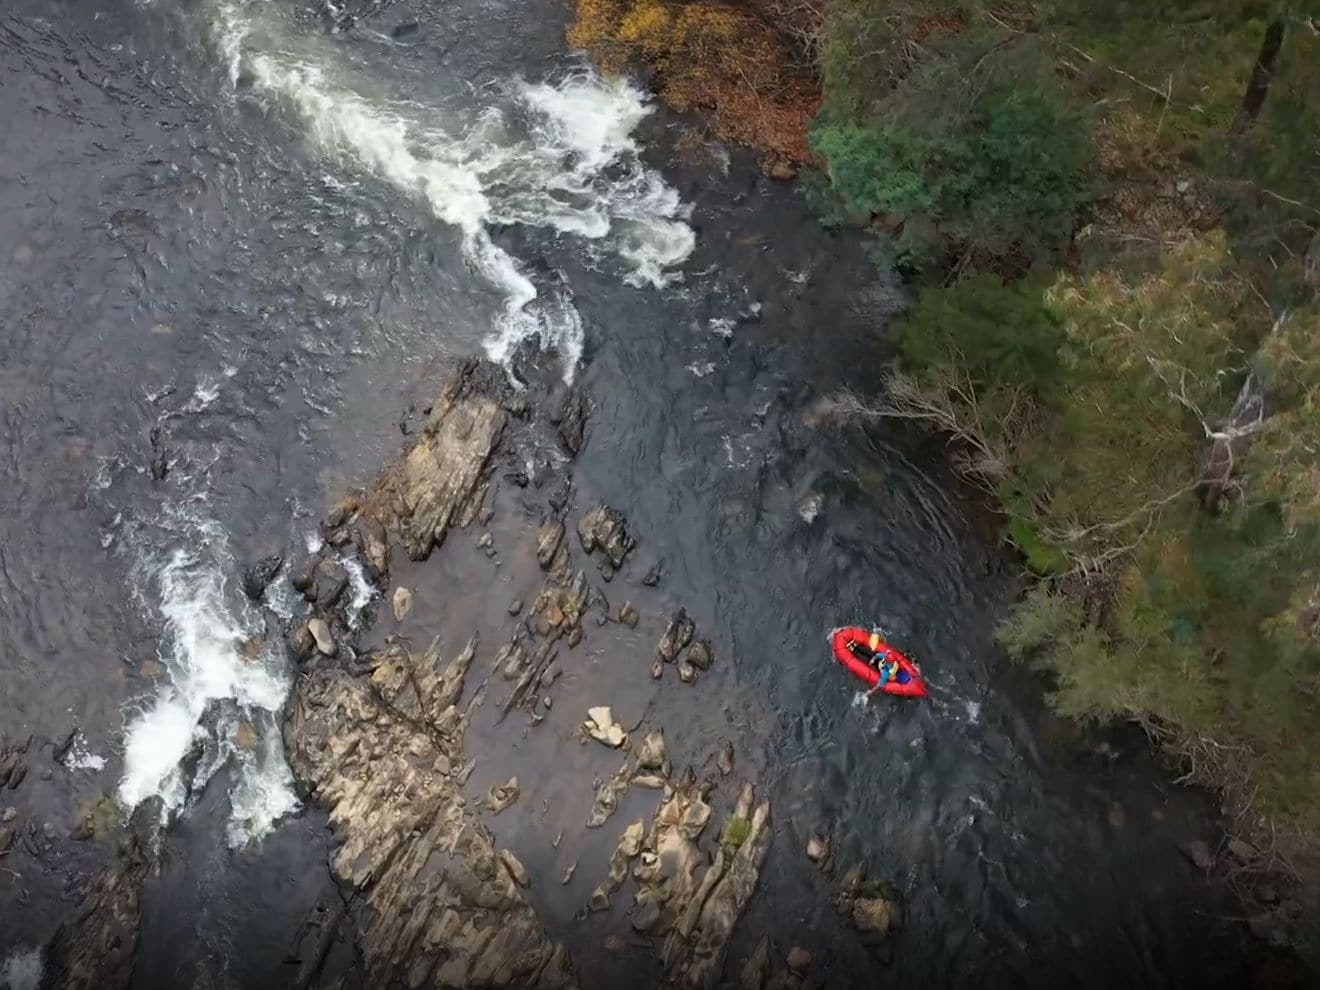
(880, 661)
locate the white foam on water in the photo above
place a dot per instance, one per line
(363, 592)
(79, 757)
(264, 792)
(559, 156)
(22, 970)
(204, 626)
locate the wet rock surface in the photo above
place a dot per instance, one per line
(94, 947)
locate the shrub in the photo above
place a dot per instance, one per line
(1005, 182)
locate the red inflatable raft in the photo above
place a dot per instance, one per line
(853, 646)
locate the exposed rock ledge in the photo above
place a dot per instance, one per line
(381, 753)
(378, 739)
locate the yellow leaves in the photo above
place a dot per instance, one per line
(649, 25)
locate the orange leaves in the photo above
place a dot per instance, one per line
(717, 60)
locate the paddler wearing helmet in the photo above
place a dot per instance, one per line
(881, 661)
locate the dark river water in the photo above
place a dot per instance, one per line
(239, 239)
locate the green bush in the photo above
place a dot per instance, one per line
(999, 333)
(975, 156)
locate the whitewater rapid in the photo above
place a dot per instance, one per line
(557, 155)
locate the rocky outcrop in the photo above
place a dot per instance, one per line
(382, 754)
(872, 907)
(94, 948)
(442, 476)
(685, 896)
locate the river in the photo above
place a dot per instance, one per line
(241, 239)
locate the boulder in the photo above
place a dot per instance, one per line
(373, 541)
(329, 583)
(818, 849)
(320, 632)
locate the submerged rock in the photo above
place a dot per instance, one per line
(652, 754)
(257, 577)
(94, 949)
(798, 960)
(724, 761)
(1200, 854)
(818, 849)
(401, 603)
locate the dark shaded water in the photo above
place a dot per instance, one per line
(236, 246)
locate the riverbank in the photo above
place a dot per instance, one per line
(1106, 223)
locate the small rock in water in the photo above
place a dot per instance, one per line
(657, 669)
(402, 603)
(600, 725)
(725, 759)
(8, 815)
(515, 606)
(1198, 851)
(798, 959)
(245, 737)
(652, 577)
(548, 540)
(700, 656)
(501, 796)
(1117, 815)
(652, 754)
(615, 943)
(628, 615)
(568, 874)
(485, 541)
(325, 643)
(83, 829)
(7, 837)
(817, 849)
(575, 637)
(686, 672)
(677, 636)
